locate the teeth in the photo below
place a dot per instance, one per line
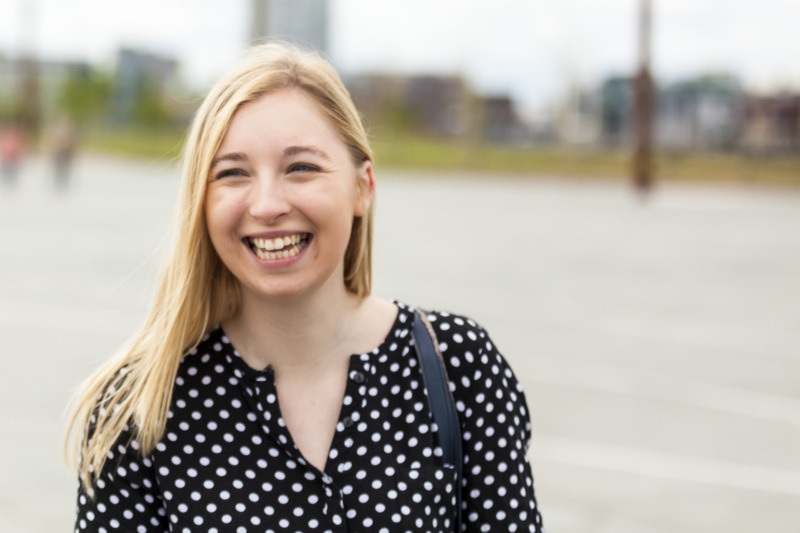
(263, 247)
(278, 243)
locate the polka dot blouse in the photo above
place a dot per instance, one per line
(227, 463)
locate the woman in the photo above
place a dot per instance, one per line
(240, 405)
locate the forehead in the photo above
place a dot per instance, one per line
(284, 115)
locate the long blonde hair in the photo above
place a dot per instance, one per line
(196, 291)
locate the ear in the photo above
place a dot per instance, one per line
(365, 188)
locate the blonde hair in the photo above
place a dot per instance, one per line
(196, 291)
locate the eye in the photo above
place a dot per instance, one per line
(228, 172)
(303, 167)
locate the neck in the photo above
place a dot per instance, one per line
(295, 335)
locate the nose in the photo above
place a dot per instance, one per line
(269, 200)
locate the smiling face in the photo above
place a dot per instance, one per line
(282, 193)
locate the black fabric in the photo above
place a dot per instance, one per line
(227, 463)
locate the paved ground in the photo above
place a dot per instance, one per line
(658, 341)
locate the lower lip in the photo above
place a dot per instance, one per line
(278, 263)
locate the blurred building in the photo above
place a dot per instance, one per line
(7, 77)
(438, 106)
(303, 22)
(579, 120)
(499, 121)
(705, 113)
(141, 76)
(50, 76)
(434, 105)
(772, 124)
(616, 110)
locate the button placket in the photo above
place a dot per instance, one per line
(262, 395)
(357, 388)
(342, 455)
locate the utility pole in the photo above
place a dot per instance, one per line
(643, 152)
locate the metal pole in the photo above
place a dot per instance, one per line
(642, 158)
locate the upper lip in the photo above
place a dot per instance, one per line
(275, 234)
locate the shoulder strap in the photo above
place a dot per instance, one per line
(440, 399)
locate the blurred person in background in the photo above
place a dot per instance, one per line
(12, 145)
(268, 389)
(63, 143)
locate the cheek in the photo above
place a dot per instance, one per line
(220, 212)
(336, 215)
(212, 215)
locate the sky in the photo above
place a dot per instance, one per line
(533, 50)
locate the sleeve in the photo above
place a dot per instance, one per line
(126, 495)
(498, 491)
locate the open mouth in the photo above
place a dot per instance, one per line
(279, 247)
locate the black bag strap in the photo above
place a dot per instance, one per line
(440, 399)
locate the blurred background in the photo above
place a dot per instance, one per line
(512, 86)
(630, 170)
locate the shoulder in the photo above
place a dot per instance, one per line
(487, 393)
(463, 343)
(461, 339)
(206, 369)
(472, 359)
(208, 354)
(457, 330)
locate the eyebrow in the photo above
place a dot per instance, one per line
(294, 150)
(232, 156)
(288, 151)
